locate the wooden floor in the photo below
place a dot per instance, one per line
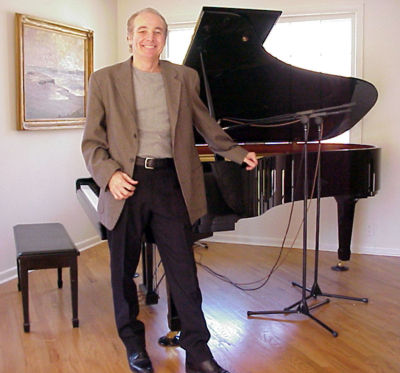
(368, 341)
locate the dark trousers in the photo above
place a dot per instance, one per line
(158, 205)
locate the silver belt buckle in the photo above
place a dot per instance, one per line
(146, 165)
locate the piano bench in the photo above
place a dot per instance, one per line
(42, 246)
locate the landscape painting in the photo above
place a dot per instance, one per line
(55, 64)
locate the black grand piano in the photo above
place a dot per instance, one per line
(259, 101)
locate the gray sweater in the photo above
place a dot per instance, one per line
(152, 115)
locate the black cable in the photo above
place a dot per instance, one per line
(278, 261)
(276, 265)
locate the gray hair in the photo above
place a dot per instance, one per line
(131, 20)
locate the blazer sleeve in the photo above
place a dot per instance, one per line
(217, 139)
(95, 147)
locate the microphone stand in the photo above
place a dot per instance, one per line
(302, 306)
(315, 289)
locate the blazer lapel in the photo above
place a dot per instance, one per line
(125, 85)
(173, 93)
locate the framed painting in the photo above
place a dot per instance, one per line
(54, 62)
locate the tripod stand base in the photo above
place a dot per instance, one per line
(315, 291)
(303, 308)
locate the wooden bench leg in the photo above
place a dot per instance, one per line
(25, 295)
(60, 281)
(74, 292)
(19, 275)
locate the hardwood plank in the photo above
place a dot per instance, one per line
(368, 341)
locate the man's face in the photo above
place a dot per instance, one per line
(148, 36)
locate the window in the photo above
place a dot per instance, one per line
(323, 43)
(320, 43)
(178, 41)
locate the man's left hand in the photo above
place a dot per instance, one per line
(251, 161)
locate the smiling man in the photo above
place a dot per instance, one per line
(146, 38)
(138, 145)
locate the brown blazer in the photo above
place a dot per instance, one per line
(110, 139)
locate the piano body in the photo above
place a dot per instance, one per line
(250, 93)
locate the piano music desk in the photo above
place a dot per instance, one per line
(41, 246)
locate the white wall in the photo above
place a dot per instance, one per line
(39, 169)
(376, 221)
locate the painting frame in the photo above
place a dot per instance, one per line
(53, 65)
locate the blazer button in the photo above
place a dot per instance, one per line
(134, 135)
(131, 160)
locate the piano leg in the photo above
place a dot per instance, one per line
(147, 267)
(174, 323)
(345, 208)
(148, 287)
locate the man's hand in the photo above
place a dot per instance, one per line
(251, 161)
(121, 185)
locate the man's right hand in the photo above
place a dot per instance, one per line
(121, 185)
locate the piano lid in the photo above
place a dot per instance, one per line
(253, 93)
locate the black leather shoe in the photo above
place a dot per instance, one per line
(208, 366)
(139, 362)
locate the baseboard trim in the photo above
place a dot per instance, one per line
(11, 273)
(8, 275)
(275, 242)
(88, 243)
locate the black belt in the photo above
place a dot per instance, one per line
(154, 163)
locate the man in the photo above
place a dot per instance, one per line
(139, 147)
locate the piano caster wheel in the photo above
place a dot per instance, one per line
(340, 267)
(169, 340)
